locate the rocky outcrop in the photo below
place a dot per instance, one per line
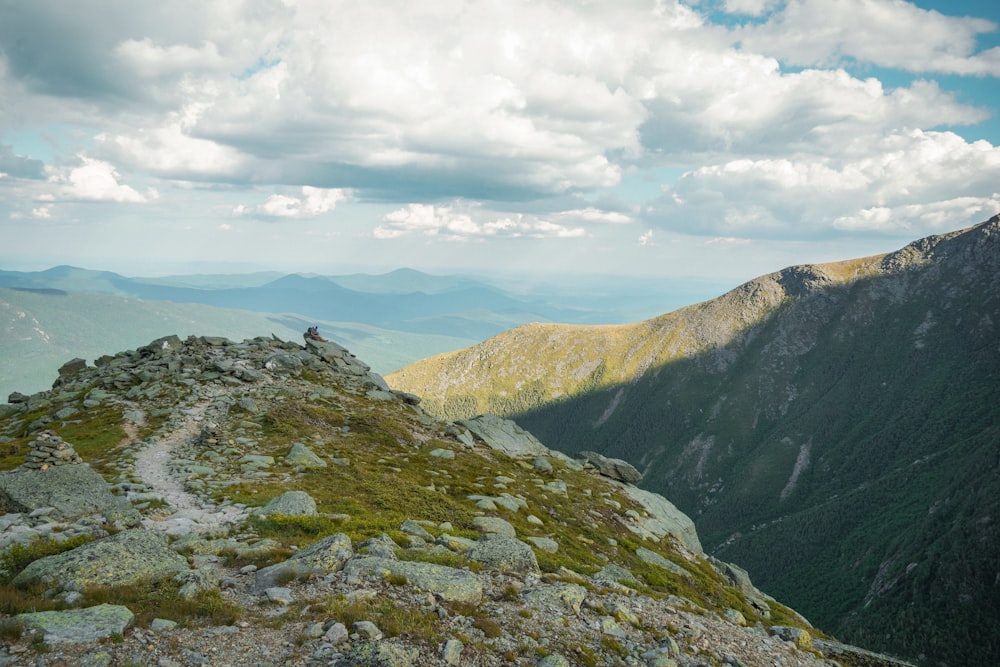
(79, 625)
(618, 469)
(661, 518)
(447, 583)
(129, 557)
(505, 435)
(70, 491)
(290, 503)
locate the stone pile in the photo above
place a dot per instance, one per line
(50, 450)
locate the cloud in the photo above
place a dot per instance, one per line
(455, 223)
(96, 180)
(42, 212)
(19, 166)
(312, 202)
(646, 238)
(897, 34)
(915, 174)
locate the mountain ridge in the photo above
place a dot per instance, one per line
(266, 502)
(809, 396)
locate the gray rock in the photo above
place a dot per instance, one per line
(505, 435)
(443, 453)
(411, 527)
(615, 574)
(123, 559)
(542, 465)
(553, 660)
(158, 625)
(79, 625)
(546, 596)
(336, 634)
(300, 455)
(545, 544)
(653, 558)
(290, 503)
(662, 518)
(279, 594)
(448, 583)
(506, 554)
(618, 469)
(493, 525)
(379, 654)
(452, 652)
(323, 557)
(73, 490)
(798, 636)
(366, 630)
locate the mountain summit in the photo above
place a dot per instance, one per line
(831, 427)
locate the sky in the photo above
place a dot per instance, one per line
(679, 140)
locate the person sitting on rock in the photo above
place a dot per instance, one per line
(313, 334)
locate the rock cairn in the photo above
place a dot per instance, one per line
(50, 450)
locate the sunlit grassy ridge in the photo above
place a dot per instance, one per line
(535, 364)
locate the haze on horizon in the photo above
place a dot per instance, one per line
(711, 140)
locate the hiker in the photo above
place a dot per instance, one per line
(313, 333)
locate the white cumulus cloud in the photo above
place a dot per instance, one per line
(309, 204)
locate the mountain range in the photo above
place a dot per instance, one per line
(833, 428)
(390, 319)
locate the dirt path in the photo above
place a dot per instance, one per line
(184, 512)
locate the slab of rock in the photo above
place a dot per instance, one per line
(325, 556)
(506, 554)
(653, 558)
(291, 503)
(123, 559)
(662, 518)
(72, 490)
(618, 469)
(505, 436)
(494, 525)
(79, 625)
(448, 583)
(300, 455)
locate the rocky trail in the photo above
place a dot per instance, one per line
(155, 468)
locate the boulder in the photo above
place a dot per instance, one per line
(662, 518)
(623, 471)
(72, 490)
(325, 556)
(290, 503)
(79, 625)
(379, 654)
(448, 583)
(506, 554)
(300, 455)
(505, 436)
(123, 559)
(494, 525)
(653, 558)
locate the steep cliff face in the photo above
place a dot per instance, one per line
(833, 428)
(200, 501)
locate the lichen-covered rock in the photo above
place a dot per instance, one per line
(79, 625)
(546, 597)
(72, 490)
(123, 559)
(662, 518)
(325, 556)
(506, 554)
(448, 583)
(798, 636)
(291, 503)
(494, 525)
(379, 654)
(300, 455)
(505, 435)
(653, 558)
(618, 469)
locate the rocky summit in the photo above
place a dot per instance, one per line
(206, 502)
